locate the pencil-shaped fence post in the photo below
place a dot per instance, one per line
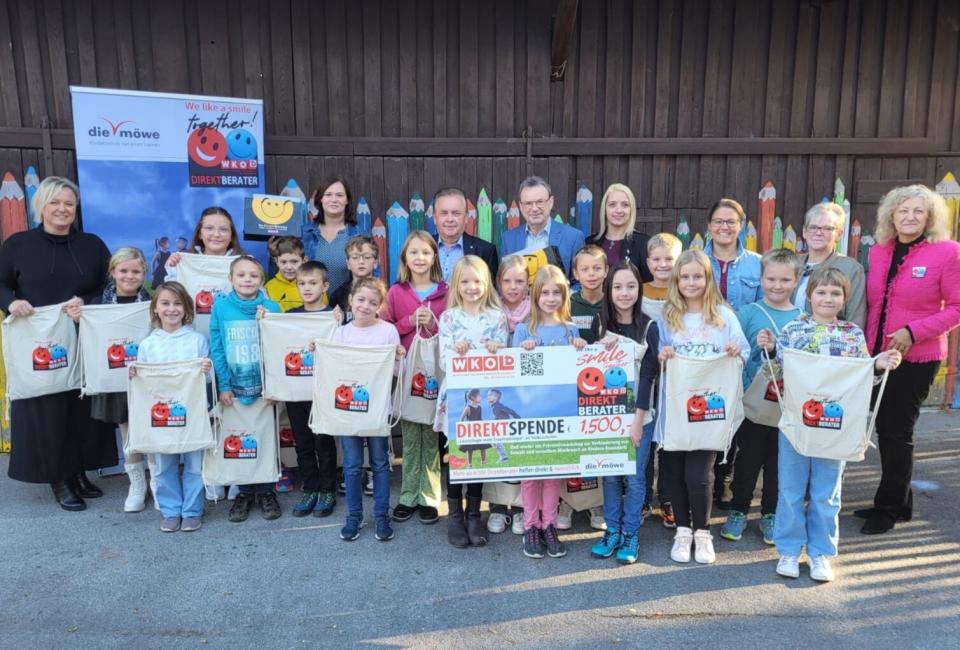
(484, 217)
(767, 209)
(417, 217)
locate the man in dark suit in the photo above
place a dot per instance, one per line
(450, 217)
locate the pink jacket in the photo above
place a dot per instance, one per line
(925, 294)
(402, 301)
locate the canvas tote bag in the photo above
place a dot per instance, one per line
(204, 276)
(826, 401)
(40, 353)
(702, 399)
(245, 452)
(285, 352)
(351, 389)
(420, 379)
(502, 493)
(110, 336)
(167, 403)
(760, 403)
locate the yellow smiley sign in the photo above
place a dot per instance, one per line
(272, 211)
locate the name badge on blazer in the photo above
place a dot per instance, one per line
(918, 271)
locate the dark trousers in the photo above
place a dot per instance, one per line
(907, 388)
(723, 471)
(758, 448)
(661, 482)
(689, 477)
(316, 453)
(455, 490)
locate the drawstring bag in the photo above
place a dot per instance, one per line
(204, 276)
(245, 452)
(502, 493)
(582, 493)
(702, 399)
(420, 379)
(40, 353)
(351, 389)
(285, 352)
(168, 409)
(760, 404)
(110, 336)
(826, 401)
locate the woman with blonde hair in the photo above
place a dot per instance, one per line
(617, 237)
(913, 301)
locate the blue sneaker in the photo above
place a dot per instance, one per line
(305, 505)
(351, 530)
(384, 532)
(734, 526)
(629, 549)
(324, 504)
(766, 527)
(607, 545)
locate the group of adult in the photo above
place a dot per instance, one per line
(909, 300)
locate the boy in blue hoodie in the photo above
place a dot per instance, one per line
(235, 349)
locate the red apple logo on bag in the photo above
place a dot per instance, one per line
(239, 446)
(204, 302)
(41, 358)
(51, 357)
(116, 356)
(771, 394)
(706, 407)
(822, 414)
(298, 363)
(231, 445)
(424, 386)
(812, 412)
(159, 414)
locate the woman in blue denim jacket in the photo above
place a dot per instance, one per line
(325, 234)
(736, 269)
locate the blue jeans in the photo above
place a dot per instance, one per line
(353, 474)
(179, 496)
(817, 528)
(621, 507)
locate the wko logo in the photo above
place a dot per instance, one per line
(484, 364)
(117, 130)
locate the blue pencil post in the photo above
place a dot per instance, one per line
(31, 181)
(398, 227)
(364, 218)
(429, 223)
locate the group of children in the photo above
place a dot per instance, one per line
(681, 312)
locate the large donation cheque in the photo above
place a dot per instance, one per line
(553, 412)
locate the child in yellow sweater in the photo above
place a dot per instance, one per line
(288, 254)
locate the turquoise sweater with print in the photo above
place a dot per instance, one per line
(235, 344)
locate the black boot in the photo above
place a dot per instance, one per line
(83, 487)
(67, 498)
(476, 531)
(456, 533)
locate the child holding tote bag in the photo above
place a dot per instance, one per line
(180, 498)
(414, 305)
(235, 348)
(695, 323)
(473, 321)
(818, 526)
(125, 286)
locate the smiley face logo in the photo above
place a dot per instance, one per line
(812, 411)
(360, 394)
(160, 413)
(177, 410)
(293, 361)
(615, 378)
(431, 384)
(231, 444)
(418, 381)
(58, 352)
(715, 402)
(41, 357)
(306, 359)
(590, 381)
(697, 405)
(131, 349)
(241, 145)
(832, 410)
(116, 353)
(206, 147)
(343, 394)
(272, 211)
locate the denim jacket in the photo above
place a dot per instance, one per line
(310, 234)
(743, 276)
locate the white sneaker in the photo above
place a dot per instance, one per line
(517, 526)
(820, 569)
(681, 545)
(497, 522)
(137, 495)
(564, 516)
(597, 520)
(704, 542)
(789, 566)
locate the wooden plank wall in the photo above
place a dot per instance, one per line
(472, 68)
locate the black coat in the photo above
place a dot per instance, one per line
(634, 247)
(484, 250)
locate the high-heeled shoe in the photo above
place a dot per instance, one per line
(83, 487)
(67, 498)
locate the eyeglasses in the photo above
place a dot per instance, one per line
(540, 203)
(362, 258)
(821, 229)
(725, 223)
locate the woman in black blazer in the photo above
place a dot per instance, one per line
(617, 236)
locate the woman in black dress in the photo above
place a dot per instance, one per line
(53, 438)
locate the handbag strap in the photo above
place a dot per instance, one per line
(769, 317)
(876, 405)
(773, 375)
(433, 319)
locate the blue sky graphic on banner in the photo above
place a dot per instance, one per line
(149, 163)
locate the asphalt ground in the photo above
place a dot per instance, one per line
(106, 579)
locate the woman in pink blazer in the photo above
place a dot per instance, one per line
(913, 300)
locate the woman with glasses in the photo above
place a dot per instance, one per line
(330, 227)
(822, 227)
(736, 270)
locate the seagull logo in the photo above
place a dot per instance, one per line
(115, 127)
